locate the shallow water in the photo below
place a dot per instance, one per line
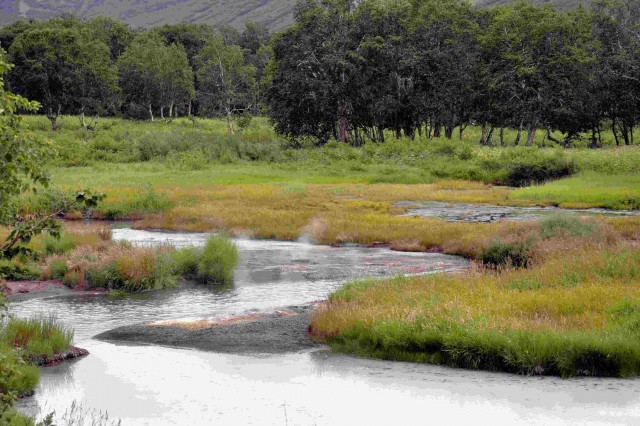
(150, 385)
(462, 212)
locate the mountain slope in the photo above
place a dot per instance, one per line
(275, 14)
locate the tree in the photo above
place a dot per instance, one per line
(155, 76)
(533, 54)
(65, 69)
(616, 26)
(226, 83)
(21, 155)
(308, 75)
(115, 34)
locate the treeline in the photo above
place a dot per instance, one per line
(104, 67)
(354, 70)
(432, 66)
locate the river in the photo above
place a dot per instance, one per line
(152, 385)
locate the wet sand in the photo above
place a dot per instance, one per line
(276, 333)
(19, 291)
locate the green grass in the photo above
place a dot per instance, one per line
(37, 337)
(576, 313)
(619, 191)
(538, 353)
(213, 263)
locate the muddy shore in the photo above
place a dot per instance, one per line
(19, 291)
(280, 332)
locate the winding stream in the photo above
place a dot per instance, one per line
(151, 385)
(464, 212)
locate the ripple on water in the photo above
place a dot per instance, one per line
(150, 385)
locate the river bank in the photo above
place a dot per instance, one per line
(268, 333)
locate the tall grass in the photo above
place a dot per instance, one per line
(36, 337)
(574, 312)
(214, 263)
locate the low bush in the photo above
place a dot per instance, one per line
(501, 254)
(213, 263)
(58, 268)
(186, 261)
(14, 270)
(218, 261)
(566, 226)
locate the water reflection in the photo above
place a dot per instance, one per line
(147, 385)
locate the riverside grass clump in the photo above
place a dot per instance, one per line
(36, 338)
(524, 243)
(23, 344)
(574, 311)
(86, 257)
(213, 263)
(123, 267)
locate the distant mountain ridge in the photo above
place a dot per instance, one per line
(275, 14)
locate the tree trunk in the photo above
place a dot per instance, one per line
(551, 138)
(517, 141)
(381, 134)
(531, 134)
(501, 136)
(594, 139)
(189, 109)
(436, 130)
(625, 132)
(150, 112)
(343, 125)
(483, 134)
(53, 117)
(490, 137)
(613, 129)
(462, 127)
(448, 131)
(171, 110)
(162, 112)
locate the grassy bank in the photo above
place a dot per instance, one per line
(25, 343)
(573, 311)
(85, 256)
(188, 175)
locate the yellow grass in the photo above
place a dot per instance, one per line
(571, 291)
(329, 214)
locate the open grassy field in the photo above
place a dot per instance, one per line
(573, 311)
(554, 297)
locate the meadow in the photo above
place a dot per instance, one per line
(548, 297)
(571, 309)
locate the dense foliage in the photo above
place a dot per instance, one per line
(104, 67)
(350, 70)
(423, 66)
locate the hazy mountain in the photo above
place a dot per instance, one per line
(275, 14)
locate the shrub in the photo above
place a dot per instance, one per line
(501, 254)
(186, 261)
(24, 378)
(525, 172)
(52, 245)
(218, 261)
(13, 270)
(58, 268)
(564, 225)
